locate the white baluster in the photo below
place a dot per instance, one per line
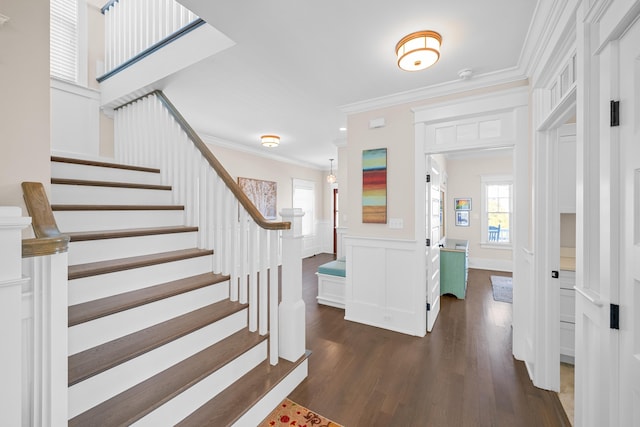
(264, 301)
(243, 257)
(253, 282)
(274, 240)
(235, 250)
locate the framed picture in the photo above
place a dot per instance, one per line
(263, 194)
(374, 186)
(462, 204)
(462, 218)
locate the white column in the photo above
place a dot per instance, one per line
(291, 311)
(11, 224)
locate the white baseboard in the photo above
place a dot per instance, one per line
(491, 264)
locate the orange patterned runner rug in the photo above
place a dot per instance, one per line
(289, 413)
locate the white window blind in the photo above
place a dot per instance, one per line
(64, 40)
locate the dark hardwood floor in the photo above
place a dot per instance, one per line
(461, 374)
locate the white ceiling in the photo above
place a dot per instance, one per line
(297, 66)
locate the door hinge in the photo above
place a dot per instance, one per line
(614, 316)
(428, 178)
(428, 242)
(615, 113)
(555, 274)
(428, 307)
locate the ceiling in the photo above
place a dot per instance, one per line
(297, 66)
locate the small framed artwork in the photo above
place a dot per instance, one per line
(462, 218)
(462, 204)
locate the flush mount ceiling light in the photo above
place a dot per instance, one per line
(270, 140)
(418, 50)
(331, 178)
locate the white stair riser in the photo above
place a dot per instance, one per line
(106, 249)
(191, 399)
(274, 397)
(98, 173)
(64, 194)
(96, 332)
(97, 389)
(103, 285)
(69, 221)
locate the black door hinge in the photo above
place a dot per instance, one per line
(615, 113)
(428, 242)
(428, 178)
(614, 316)
(555, 274)
(428, 307)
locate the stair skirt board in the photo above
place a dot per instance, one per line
(80, 171)
(94, 390)
(98, 195)
(104, 285)
(102, 250)
(90, 220)
(185, 403)
(257, 413)
(99, 331)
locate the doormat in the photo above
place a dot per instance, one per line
(502, 288)
(289, 413)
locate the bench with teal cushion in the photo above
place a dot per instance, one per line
(334, 268)
(331, 282)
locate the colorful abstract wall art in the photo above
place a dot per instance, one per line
(374, 186)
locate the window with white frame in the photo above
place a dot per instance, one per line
(304, 197)
(68, 40)
(497, 212)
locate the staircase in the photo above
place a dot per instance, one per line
(154, 338)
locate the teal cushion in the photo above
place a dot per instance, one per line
(333, 268)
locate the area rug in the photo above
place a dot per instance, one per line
(502, 288)
(289, 413)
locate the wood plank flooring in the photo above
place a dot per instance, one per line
(461, 374)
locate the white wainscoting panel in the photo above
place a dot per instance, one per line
(382, 286)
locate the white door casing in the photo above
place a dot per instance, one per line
(432, 248)
(629, 299)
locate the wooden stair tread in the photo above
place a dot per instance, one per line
(95, 309)
(61, 159)
(105, 356)
(227, 407)
(86, 182)
(81, 236)
(110, 266)
(136, 402)
(117, 207)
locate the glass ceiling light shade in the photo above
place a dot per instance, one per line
(270, 140)
(331, 178)
(418, 50)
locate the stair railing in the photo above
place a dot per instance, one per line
(151, 131)
(135, 28)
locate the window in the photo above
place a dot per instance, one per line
(304, 196)
(497, 221)
(68, 35)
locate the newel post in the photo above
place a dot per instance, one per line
(11, 224)
(292, 309)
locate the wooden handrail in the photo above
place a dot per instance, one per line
(217, 166)
(48, 239)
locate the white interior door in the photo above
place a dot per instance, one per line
(433, 234)
(629, 411)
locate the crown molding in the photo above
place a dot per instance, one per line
(237, 146)
(479, 81)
